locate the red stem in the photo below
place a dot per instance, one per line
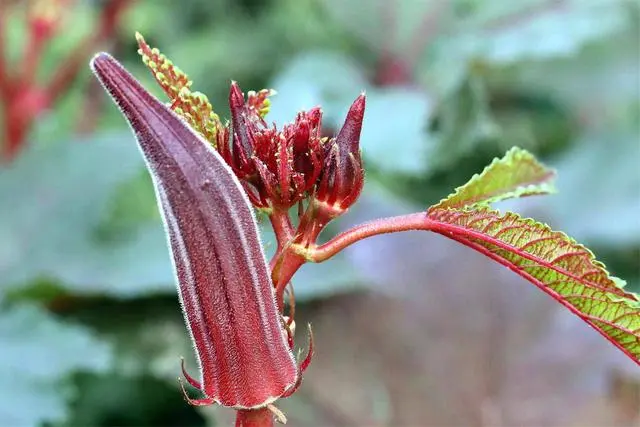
(291, 262)
(389, 21)
(20, 108)
(254, 418)
(415, 221)
(428, 28)
(285, 262)
(16, 127)
(32, 55)
(288, 258)
(420, 221)
(71, 66)
(5, 90)
(281, 224)
(18, 117)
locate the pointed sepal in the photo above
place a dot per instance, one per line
(343, 176)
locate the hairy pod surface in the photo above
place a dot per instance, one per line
(223, 279)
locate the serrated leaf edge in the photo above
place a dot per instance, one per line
(465, 236)
(515, 154)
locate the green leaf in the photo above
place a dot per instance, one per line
(63, 198)
(383, 25)
(132, 206)
(552, 261)
(38, 354)
(583, 214)
(327, 78)
(558, 31)
(131, 399)
(394, 137)
(463, 122)
(501, 33)
(517, 174)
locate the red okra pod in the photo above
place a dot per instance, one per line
(223, 279)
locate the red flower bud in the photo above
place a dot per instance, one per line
(342, 176)
(242, 143)
(277, 168)
(223, 280)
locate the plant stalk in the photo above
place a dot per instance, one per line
(415, 221)
(254, 418)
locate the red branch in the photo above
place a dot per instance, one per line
(254, 418)
(70, 67)
(420, 221)
(394, 224)
(21, 96)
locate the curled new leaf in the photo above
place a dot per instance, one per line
(223, 278)
(552, 261)
(517, 174)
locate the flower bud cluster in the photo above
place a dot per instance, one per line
(280, 168)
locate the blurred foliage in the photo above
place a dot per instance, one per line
(57, 229)
(129, 401)
(450, 85)
(34, 372)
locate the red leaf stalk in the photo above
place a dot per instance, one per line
(21, 96)
(257, 418)
(467, 237)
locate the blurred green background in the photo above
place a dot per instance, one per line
(411, 330)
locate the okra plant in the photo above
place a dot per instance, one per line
(22, 96)
(211, 176)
